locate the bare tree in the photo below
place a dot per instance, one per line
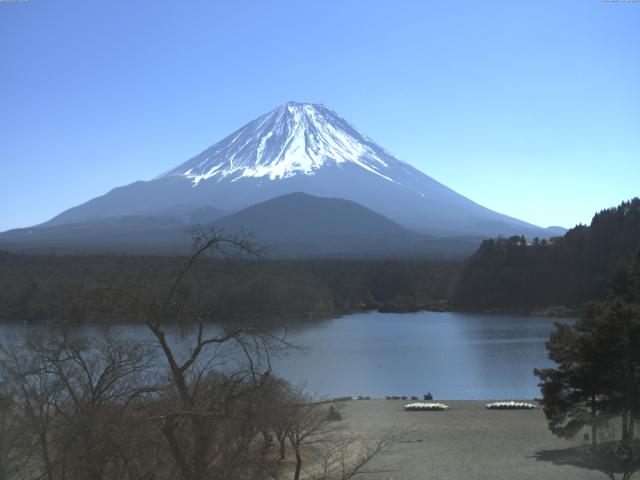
(14, 445)
(37, 392)
(75, 396)
(315, 433)
(206, 415)
(308, 426)
(101, 378)
(348, 456)
(282, 401)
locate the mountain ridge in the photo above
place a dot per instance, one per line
(295, 226)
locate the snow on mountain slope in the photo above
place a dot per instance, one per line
(293, 139)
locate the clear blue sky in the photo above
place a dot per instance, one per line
(529, 108)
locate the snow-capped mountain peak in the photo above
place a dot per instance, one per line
(293, 139)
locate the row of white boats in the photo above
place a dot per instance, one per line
(438, 406)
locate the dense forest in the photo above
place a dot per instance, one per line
(512, 274)
(85, 288)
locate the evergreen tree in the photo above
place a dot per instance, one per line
(509, 274)
(574, 393)
(597, 376)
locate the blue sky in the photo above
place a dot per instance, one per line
(529, 108)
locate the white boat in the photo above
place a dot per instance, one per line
(426, 407)
(510, 405)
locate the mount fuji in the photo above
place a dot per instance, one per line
(300, 147)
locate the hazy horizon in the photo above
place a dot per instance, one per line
(529, 110)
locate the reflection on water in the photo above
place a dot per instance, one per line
(452, 355)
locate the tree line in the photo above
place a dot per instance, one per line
(513, 274)
(77, 288)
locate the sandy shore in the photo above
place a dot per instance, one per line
(467, 441)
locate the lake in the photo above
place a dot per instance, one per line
(451, 355)
(454, 356)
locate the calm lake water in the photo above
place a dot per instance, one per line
(452, 355)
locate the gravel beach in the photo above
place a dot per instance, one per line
(467, 441)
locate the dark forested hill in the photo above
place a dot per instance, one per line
(60, 288)
(303, 226)
(513, 274)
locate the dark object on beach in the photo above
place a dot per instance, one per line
(334, 415)
(428, 396)
(414, 398)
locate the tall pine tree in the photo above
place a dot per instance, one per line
(597, 373)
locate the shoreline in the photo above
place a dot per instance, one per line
(290, 319)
